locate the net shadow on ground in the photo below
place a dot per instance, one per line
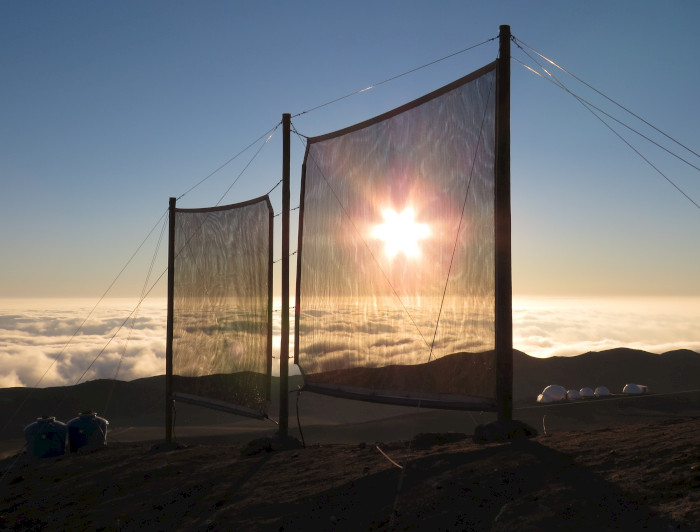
(520, 486)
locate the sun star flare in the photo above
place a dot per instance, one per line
(401, 233)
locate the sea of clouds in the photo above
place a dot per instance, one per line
(560, 326)
(63, 342)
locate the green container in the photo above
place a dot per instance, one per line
(46, 437)
(87, 430)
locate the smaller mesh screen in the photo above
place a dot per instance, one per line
(222, 305)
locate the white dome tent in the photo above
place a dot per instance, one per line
(602, 391)
(573, 395)
(544, 399)
(586, 393)
(634, 389)
(552, 393)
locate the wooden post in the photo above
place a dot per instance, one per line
(284, 337)
(169, 327)
(270, 294)
(503, 274)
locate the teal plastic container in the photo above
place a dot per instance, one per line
(87, 430)
(46, 437)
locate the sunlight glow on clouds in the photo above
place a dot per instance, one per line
(557, 326)
(39, 345)
(35, 334)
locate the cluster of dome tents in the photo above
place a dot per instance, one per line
(555, 393)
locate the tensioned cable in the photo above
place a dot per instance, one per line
(269, 135)
(691, 200)
(148, 277)
(518, 42)
(299, 136)
(272, 132)
(273, 188)
(133, 322)
(280, 260)
(269, 132)
(80, 327)
(121, 326)
(559, 84)
(553, 79)
(290, 210)
(136, 308)
(82, 324)
(461, 219)
(590, 108)
(394, 77)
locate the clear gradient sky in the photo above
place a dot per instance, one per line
(109, 108)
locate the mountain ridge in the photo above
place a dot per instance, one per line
(141, 402)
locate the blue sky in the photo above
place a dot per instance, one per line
(109, 108)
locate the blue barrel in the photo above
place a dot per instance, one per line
(87, 430)
(46, 437)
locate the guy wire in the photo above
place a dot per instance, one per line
(518, 42)
(553, 79)
(395, 77)
(590, 108)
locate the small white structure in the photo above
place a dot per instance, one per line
(586, 393)
(544, 399)
(555, 392)
(573, 395)
(634, 389)
(601, 391)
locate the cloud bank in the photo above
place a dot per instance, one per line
(60, 342)
(550, 326)
(54, 342)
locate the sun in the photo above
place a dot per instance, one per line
(400, 232)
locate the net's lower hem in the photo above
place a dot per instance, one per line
(441, 401)
(218, 405)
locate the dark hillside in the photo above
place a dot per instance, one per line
(140, 403)
(666, 373)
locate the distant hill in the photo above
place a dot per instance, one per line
(138, 401)
(669, 372)
(141, 402)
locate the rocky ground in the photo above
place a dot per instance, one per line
(624, 477)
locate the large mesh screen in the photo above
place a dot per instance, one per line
(222, 306)
(395, 277)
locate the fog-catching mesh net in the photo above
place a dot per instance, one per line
(222, 306)
(395, 277)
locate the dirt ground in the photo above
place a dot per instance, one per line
(630, 477)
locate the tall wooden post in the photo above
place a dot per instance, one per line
(503, 274)
(169, 327)
(284, 337)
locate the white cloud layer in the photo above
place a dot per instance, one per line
(62, 342)
(549, 326)
(54, 342)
